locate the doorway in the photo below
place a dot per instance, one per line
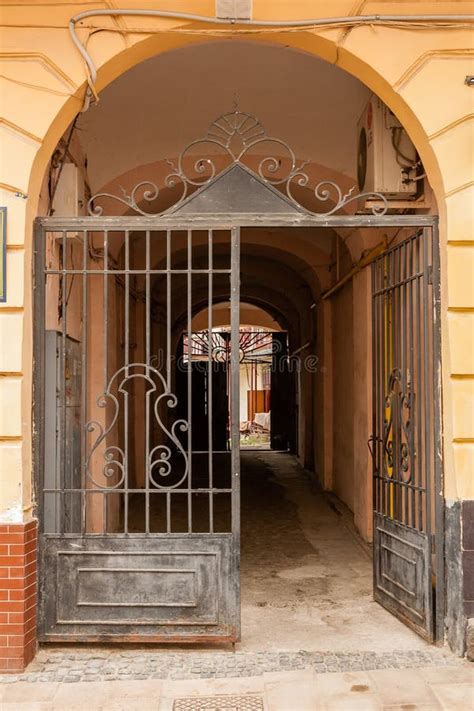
(139, 456)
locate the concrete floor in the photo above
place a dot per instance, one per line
(306, 579)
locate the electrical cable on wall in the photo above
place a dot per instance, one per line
(451, 21)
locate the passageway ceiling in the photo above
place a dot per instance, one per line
(149, 114)
(278, 285)
(170, 100)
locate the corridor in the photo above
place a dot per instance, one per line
(306, 577)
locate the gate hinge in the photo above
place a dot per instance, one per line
(430, 274)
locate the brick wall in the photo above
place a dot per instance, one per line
(18, 588)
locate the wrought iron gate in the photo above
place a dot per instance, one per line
(140, 521)
(140, 534)
(407, 432)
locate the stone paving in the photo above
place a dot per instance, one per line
(433, 688)
(103, 665)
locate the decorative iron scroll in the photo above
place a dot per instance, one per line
(236, 135)
(397, 430)
(114, 467)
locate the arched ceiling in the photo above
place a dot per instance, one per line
(155, 109)
(267, 280)
(250, 315)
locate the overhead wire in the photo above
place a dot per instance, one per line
(247, 26)
(237, 27)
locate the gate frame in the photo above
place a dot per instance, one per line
(236, 221)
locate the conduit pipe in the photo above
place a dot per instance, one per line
(345, 20)
(358, 266)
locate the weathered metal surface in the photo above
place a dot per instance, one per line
(79, 567)
(237, 189)
(406, 441)
(235, 415)
(225, 220)
(163, 588)
(234, 702)
(130, 541)
(402, 573)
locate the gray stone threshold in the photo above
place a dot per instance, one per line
(64, 665)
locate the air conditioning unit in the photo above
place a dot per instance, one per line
(69, 198)
(387, 160)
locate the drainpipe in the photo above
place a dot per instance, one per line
(416, 21)
(358, 266)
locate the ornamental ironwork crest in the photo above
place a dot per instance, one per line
(238, 138)
(397, 428)
(114, 469)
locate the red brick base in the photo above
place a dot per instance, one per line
(18, 579)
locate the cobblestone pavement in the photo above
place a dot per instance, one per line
(73, 666)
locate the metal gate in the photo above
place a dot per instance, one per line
(407, 432)
(140, 517)
(140, 525)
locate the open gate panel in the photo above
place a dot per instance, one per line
(140, 516)
(406, 411)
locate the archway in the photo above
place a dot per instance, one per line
(277, 261)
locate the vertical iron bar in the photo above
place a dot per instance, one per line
(403, 361)
(388, 364)
(380, 383)
(168, 350)
(438, 483)
(62, 430)
(126, 483)
(429, 393)
(426, 379)
(419, 410)
(189, 377)
(147, 389)
(168, 309)
(85, 323)
(209, 385)
(413, 423)
(105, 316)
(39, 281)
(235, 407)
(104, 513)
(397, 364)
(374, 386)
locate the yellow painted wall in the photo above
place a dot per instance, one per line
(418, 73)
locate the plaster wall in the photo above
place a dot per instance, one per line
(362, 425)
(343, 396)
